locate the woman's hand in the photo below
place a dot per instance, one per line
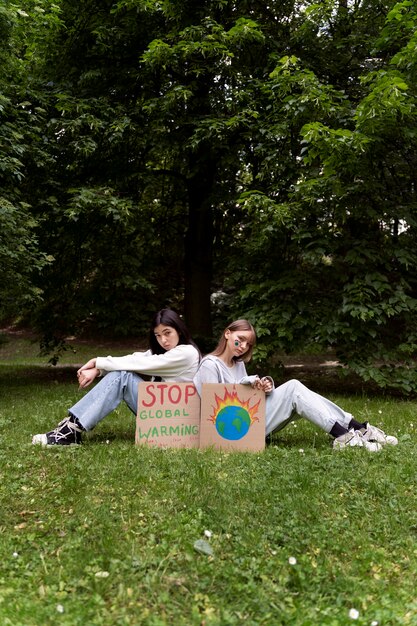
(87, 373)
(267, 384)
(86, 376)
(91, 364)
(263, 384)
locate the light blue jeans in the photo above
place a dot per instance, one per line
(286, 403)
(105, 396)
(293, 399)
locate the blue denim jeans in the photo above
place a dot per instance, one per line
(293, 400)
(105, 396)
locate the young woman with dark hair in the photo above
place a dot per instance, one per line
(172, 357)
(226, 364)
(168, 317)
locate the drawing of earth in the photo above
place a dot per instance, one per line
(232, 422)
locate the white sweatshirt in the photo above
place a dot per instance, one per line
(214, 370)
(176, 365)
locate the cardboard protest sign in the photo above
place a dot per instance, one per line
(232, 417)
(168, 415)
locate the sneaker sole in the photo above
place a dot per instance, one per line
(370, 447)
(389, 440)
(42, 440)
(39, 440)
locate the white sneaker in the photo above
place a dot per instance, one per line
(372, 433)
(354, 438)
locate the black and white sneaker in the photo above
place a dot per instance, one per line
(67, 433)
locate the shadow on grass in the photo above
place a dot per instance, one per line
(21, 375)
(111, 436)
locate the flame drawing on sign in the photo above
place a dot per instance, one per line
(232, 416)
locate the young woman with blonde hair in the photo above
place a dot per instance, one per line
(226, 364)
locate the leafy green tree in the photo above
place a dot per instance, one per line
(100, 216)
(200, 118)
(162, 123)
(343, 245)
(21, 116)
(241, 157)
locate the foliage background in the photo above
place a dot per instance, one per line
(227, 159)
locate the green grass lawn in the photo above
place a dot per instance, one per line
(104, 534)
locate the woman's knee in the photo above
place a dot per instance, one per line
(293, 385)
(122, 375)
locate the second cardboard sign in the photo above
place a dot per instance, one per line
(232, 417)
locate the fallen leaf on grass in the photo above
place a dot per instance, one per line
(204, 547)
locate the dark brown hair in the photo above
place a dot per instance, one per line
(168, 317)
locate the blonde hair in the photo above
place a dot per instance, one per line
(233, 327)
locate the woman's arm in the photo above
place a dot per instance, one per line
(87, 373)
(170, 363)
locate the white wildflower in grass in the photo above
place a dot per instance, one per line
(15, 555)
(102, 574)
(374, 623)
(292, 560)
(380, 412)
(301, 451)
(208, 533)
(353, 614)
(59, 608)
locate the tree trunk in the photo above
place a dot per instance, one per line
(199, 250)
